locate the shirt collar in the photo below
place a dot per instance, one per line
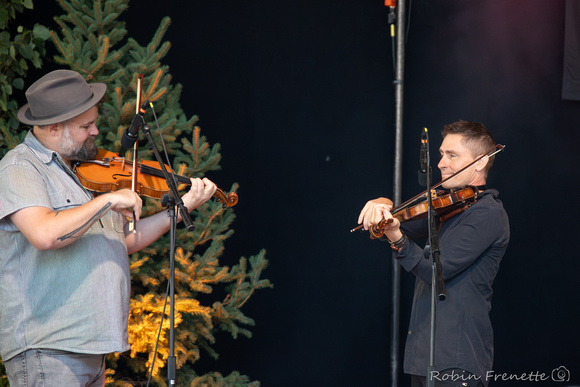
(43, 153)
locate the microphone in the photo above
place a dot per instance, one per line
(424, 159)
(132, 133)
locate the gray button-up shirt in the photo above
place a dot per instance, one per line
(75, 298)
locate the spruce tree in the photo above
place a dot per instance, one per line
(93, 41)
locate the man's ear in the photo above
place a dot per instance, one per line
(53, 129)
(480, 166)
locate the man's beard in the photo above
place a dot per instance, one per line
(70, 150)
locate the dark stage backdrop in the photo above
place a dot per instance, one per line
(299, 94)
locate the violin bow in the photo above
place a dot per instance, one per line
(132, 226)
(498, 148)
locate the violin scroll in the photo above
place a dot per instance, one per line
(229, 200)
(378, 230)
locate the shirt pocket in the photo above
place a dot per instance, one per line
(63, 200)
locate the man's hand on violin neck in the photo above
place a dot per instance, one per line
(374, 211)
(201, 191)
(392, 230)
(125, 202)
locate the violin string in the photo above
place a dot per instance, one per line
(146, 169)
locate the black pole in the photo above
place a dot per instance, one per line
(397, 185)
(171, 359)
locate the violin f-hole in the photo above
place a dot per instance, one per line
(116, 176)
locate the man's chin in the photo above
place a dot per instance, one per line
(92, 153)
(86, 154)
(449, 185)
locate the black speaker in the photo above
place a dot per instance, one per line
(571, 78)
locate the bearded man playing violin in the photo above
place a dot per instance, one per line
(472, 244)
(64, 268)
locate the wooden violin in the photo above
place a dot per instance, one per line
(110, 172)
(446, 205)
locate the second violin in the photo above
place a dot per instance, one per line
(110, 172)
(446, 205)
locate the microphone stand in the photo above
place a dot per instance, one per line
(174, 201)
(171, 359)
(432, 253)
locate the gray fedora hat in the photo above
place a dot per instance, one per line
(59, 96)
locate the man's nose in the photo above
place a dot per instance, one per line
(94, 130)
